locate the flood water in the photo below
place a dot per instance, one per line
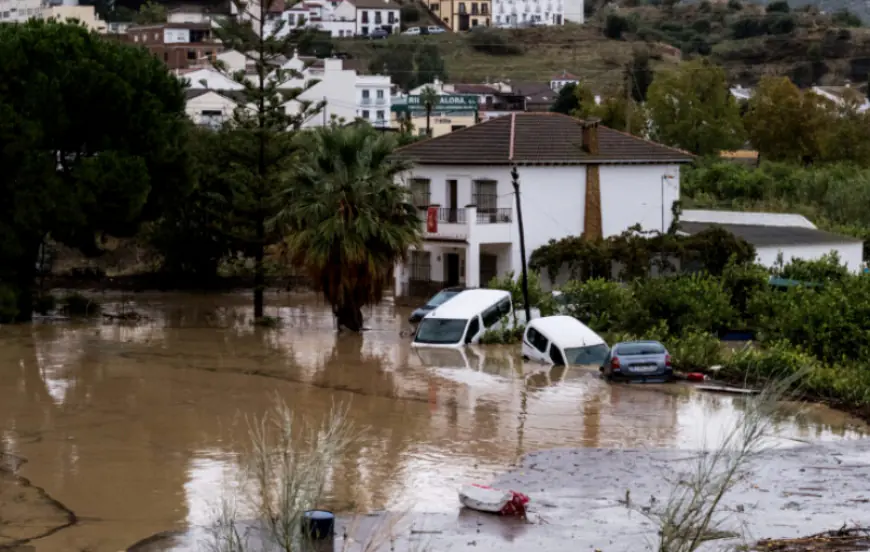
(133, 427)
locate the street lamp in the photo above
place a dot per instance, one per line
(664, 177)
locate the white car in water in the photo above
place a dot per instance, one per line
(563, 340)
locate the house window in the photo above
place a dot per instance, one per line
(365, 30)
(365, 17)
(462, 7)
(191, 54)
(433, 7)
(365, 94)
(380, 94)
(420, 195)
(421, 267)
(474, 22)
(378, 18)
(484, 10)
(485, 197)
(474, 8)
(380, 116)
(366, 114)
(391, 17)
(166, 57)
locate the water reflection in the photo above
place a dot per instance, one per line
(135, 426)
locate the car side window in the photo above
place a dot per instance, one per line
(537, 340)
(473, 328)
(556, 356)
(504, 306)
(491, 316)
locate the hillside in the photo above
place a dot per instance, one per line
(806, 45)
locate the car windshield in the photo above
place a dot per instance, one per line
(440, 298)
(441, 330)
(594, 354)
(640, 348)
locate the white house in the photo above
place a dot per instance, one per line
(208, 107)
(517, 12)
(774, 234)
(347, 95)
(575, 178)
(560, 81)
(573, 11)
(369, 15)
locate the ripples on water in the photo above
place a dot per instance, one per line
(136, 426)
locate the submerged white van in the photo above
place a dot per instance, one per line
(563, 340)
(463, 319)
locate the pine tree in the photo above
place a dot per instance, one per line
(258, 142)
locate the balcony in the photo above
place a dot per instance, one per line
(470, 223)
(366, 101)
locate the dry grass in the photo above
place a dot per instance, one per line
(577, 49)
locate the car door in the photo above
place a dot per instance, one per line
(537, 345)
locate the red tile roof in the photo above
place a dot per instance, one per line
(536, 139)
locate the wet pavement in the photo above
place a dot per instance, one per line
(135, 427)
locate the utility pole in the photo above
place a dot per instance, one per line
(515, 180)
(324, 111)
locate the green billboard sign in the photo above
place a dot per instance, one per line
(447, 103)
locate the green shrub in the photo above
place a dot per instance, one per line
(615, 25)
(824, 270)
(410, 13)
(493, 42)
(45, 303)
(743, 282)
(694, 351)
(76, 304)
(8, 304)
(696, 302)
(598, 303)
(538, 298)
(507, 335)
(777, 360)
(778, 6)
(845, 18)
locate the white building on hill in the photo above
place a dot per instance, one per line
(347, 94)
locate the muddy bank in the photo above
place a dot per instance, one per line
(27, 513)
(578, 503)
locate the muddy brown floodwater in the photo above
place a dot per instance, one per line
(133, 427)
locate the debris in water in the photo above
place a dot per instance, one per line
(851, 539)
(494, 501)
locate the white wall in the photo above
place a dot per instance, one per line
(210, 102)
(852, 254)
(176, 36)
(553, 200)
(632, 194)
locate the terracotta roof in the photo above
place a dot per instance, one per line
(565, 76)
(474, 89)
(375, 4)
(760, 236)
(536, 139)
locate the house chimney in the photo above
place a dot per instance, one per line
(590, 135)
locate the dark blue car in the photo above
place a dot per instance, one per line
(436, 301)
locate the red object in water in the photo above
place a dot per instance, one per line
(695, 376)
(516, 506)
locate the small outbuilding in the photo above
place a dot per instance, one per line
(774, 234)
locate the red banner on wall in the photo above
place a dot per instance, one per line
(432, 220)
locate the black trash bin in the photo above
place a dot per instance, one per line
(318, 524)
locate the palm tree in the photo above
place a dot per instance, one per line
(347, 221)
(429, 98)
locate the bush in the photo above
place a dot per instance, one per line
(8, 304)
(76, 304)
(824, 270)
(409, 13)
(507, 335)
(538, 298)
(615, 25)
(778, 360)
(743, 282)
(493, 42)
(694, 351)
(779, 6)
(45, 303)
(845, 18)
(697, 302)
(598, 303)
